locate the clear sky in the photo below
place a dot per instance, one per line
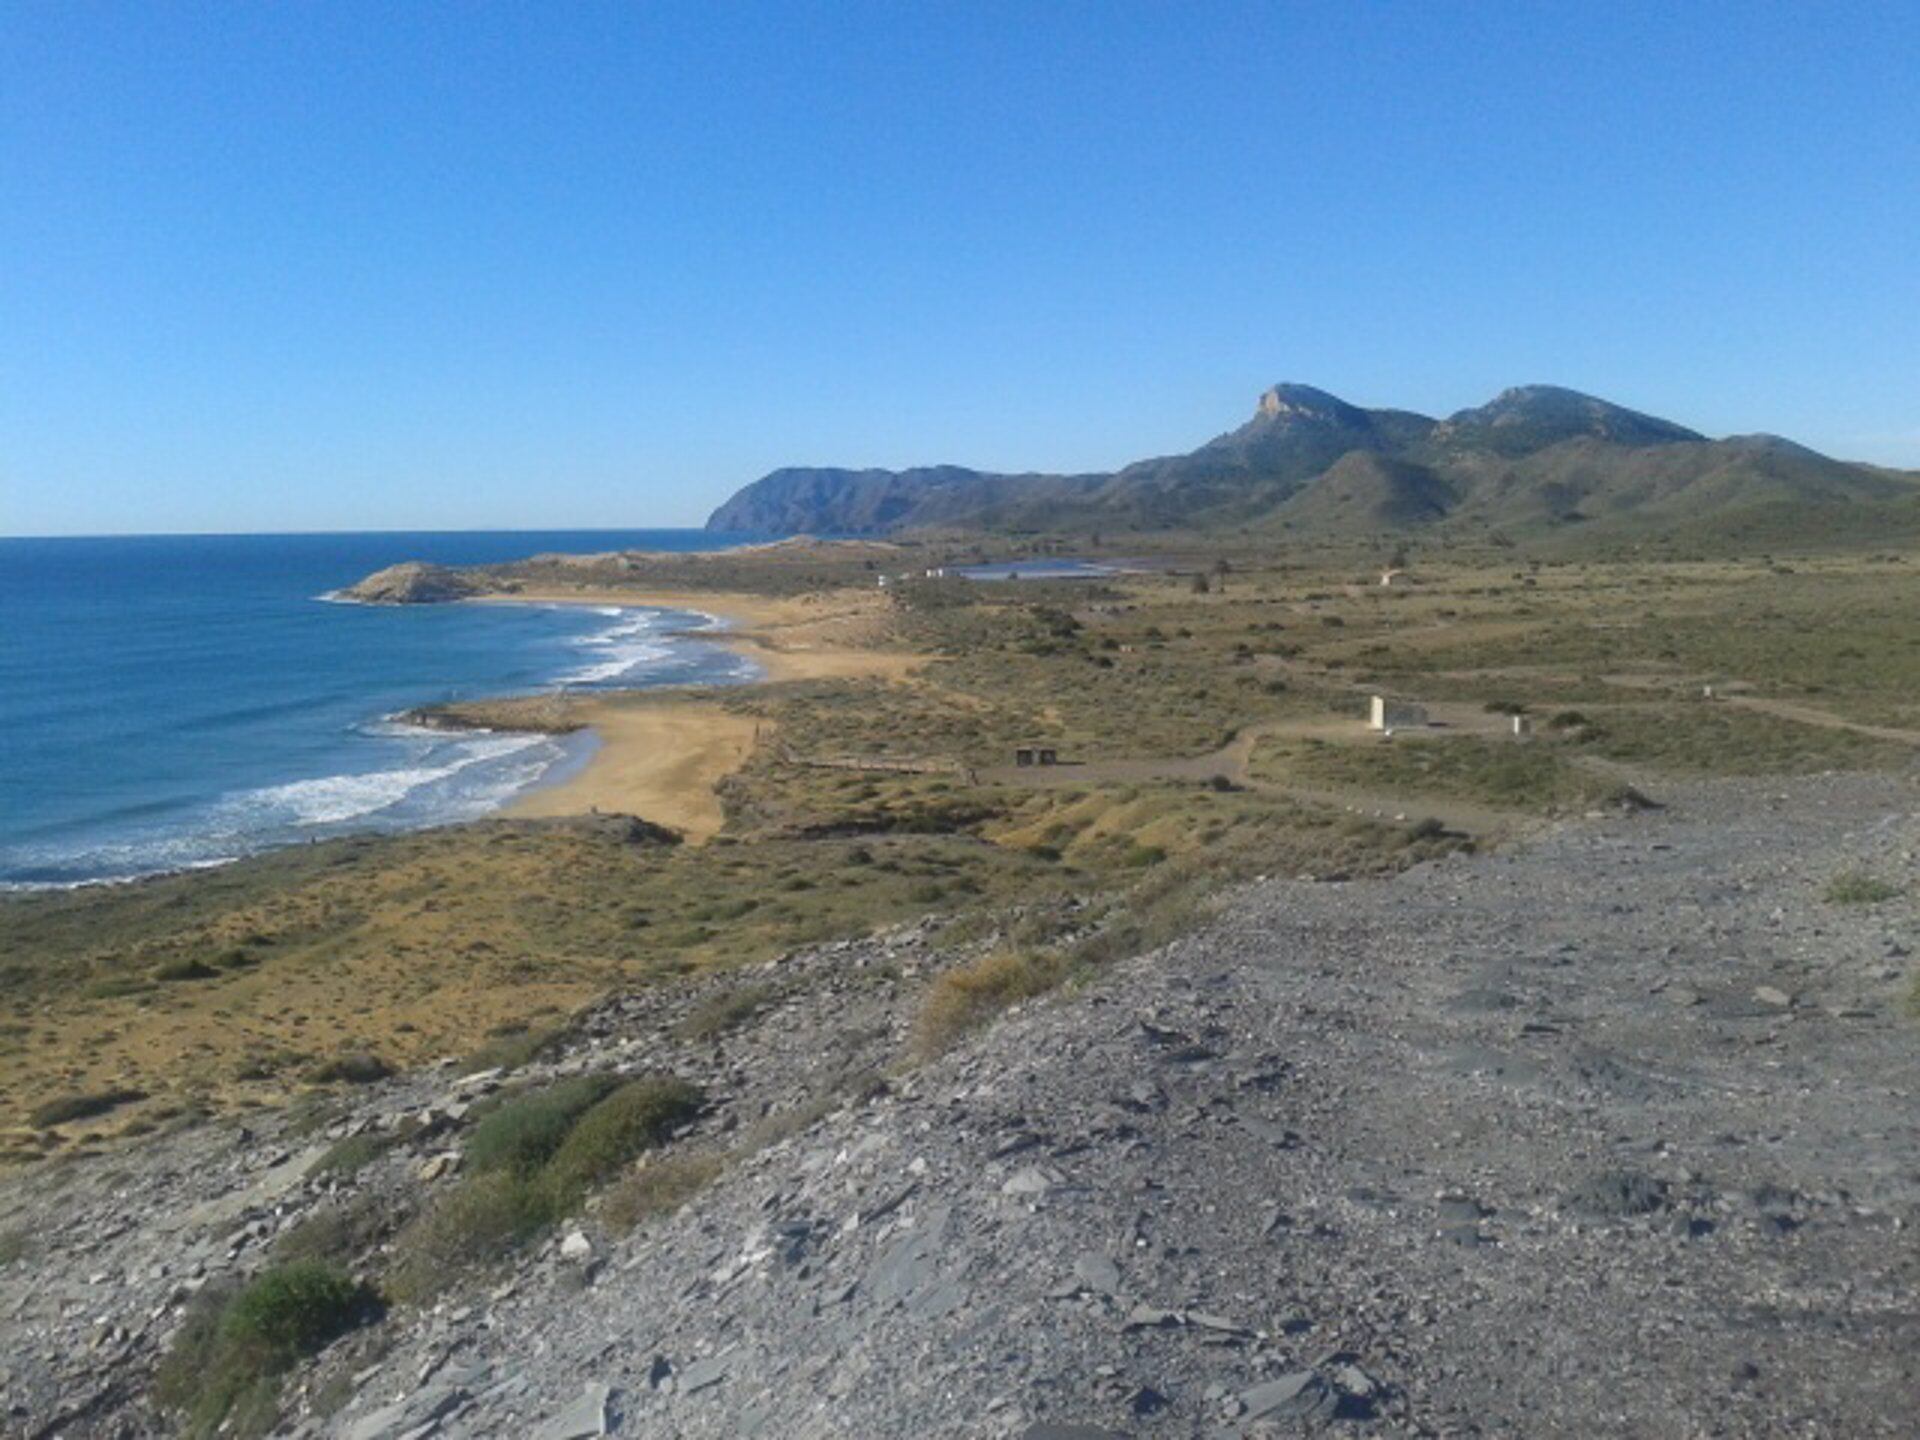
(342, 266)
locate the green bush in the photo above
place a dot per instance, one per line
(293, 1310)
(523, 1133)
(351, 1155)
(534, 1159)
(638, 1116)
(1856, 887)
(184, 969)
(69, 1108)
(223, 1371)
(355, 1068)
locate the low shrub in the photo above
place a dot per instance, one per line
(1856, 887)
(339, 1234)
(186, 968)
(355, 1068)
(718, 1014)
(68, 1108)
(522, 1133)
(352, 1155)
(479, 1221)
(533, 1160)
(511, 1049)
(638, 1116)
(223, 1371)
(965, 998)
(659, 1188)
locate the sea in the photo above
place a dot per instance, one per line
(170, 702)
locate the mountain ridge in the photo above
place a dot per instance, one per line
(1307, 460)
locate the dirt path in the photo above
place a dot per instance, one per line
(1807, 715)
(1233, 761)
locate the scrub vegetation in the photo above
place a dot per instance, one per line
(1203, 734)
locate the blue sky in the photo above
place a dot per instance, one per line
(339, 266)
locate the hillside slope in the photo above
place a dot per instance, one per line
(1534, 456)
(1659, 1175)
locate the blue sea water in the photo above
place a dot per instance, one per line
(176, 701)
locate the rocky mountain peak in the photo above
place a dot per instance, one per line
(1302, 402)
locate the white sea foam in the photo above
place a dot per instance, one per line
(23, 887)
(634, 640)
(336, 799)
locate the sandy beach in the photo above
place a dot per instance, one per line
(661, 754)
(658, 759)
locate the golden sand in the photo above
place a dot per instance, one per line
(660, 758)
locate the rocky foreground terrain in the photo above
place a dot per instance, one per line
(1611, 1134)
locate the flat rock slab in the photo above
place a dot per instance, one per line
(408, 1417)
(584, 1419)
(702, 1375)
(1299, 1395)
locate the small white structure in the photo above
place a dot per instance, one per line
(1395, 714)
(1391, 578)
(1522, 727)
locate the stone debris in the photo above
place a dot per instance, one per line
(1301, 1395)
(1098, 1273)
(703, 1375)
(584, 1419)
(1518, 1144)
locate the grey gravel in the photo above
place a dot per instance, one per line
(1508, 1145)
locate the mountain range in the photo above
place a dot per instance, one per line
(1307, 461)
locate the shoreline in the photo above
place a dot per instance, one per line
(660, 753)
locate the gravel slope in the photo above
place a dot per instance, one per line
(1613, 1134)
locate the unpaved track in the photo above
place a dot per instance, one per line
(1233, 762)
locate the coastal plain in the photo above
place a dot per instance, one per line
(1208, 711)
(1143, 814)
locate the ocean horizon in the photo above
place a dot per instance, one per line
(177, 701)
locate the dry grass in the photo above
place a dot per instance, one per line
(407, 947)
(656, 1188)
(727, 1011)
(1856, 887)
(963, 999)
